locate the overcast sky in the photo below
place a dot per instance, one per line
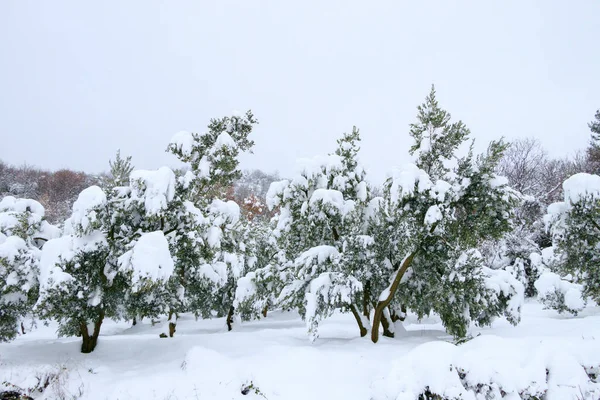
(80, 80)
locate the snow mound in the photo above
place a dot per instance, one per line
(490, 367)
(576, 188)
(428, 367)
(10, 203)
(333, 198)
(502, 282)
(83, 209)
(154, 188)
(219, 376)
(276, 189)
(183, 141)
(314, 167)
(11, 247)
(215, 272)
(225, 212)
(224, 140)
(552, 288)
(405, 181)
(318, 253)
(433, 215)
(64, 249)
(54, 250)
(581, 185)
(150, 259)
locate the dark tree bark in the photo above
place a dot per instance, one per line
(172, 324)
(363, 330)
(386, 323)
(230, 318)
(89, 341)
(366, 295)
(390, 295)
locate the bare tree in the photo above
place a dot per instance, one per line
(530, 171)
(59, 190)
(522, 164)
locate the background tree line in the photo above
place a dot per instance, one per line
(58, 190)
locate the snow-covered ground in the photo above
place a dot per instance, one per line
(273, 359)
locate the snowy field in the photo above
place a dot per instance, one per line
(273, 359)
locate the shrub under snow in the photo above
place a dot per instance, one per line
(490, 367)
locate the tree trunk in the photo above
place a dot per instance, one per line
(22, 328)
(366, 295)
(134, 322)
(172, 324)
(387, 323)
(265, 310)
(361, 327)
(383, 303)
(230, 318)
(89, 342)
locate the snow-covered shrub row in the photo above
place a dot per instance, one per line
(416, 247)
(442, 236)
(490, 367)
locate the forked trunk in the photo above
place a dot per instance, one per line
(90, 340)
(384, 302)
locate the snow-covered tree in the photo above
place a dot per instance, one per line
(207, 235)
(434, 216)
(23, 231)
(120, 170)
(256, 292)
(575, 228)
(162, 244)
(593, 151)
(103, 258)
(514, 251)
(146, 207)
(321, 258)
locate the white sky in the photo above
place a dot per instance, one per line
(80, 80)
